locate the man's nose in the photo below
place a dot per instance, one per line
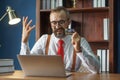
(58, 25)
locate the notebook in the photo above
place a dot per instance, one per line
(42, 65)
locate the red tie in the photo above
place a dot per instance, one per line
(60, 48)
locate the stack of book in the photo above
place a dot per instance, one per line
(100, 3)
(6, 65)
(50, 4)
(104, 60)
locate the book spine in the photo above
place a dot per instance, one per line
(103, 3)
(52, 4)
(99, 3)
(106, 29)
(103, 60)
(44, 4)
(60, 2)
(48, 4)
(99, 54)
(6, 69)
(107, 60)
(95, 3)
(6, 62)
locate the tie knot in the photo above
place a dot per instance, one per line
(60, 42)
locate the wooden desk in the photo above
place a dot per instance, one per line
(18, 75)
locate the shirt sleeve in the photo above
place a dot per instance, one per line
(38, 48)
(88, 58)
(24, 49)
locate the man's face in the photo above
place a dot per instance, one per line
(59, 22)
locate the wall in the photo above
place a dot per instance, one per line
(10, 36)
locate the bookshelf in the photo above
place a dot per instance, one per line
(89, 24)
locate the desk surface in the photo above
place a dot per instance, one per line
(18, 75)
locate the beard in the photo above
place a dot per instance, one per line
(60, 32)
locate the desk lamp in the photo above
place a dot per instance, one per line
(12, 17)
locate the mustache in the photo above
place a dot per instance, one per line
(59, 29)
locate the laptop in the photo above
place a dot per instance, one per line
(42, 65)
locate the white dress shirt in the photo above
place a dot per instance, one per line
(86, 57)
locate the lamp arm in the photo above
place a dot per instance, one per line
(3, 16)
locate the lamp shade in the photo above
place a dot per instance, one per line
(12, 17)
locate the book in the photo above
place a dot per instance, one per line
(52, 4)
(104, 60)
(99, 3)
(6, 69)
(60, 2)
(99, 54)
(106, 29)
(48, 4)
(95, 3)
(6, 62)
(108, 60)
(103, 3)
(44, 4)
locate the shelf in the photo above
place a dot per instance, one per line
(101, 9)
(88, 23)
(102, 41)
